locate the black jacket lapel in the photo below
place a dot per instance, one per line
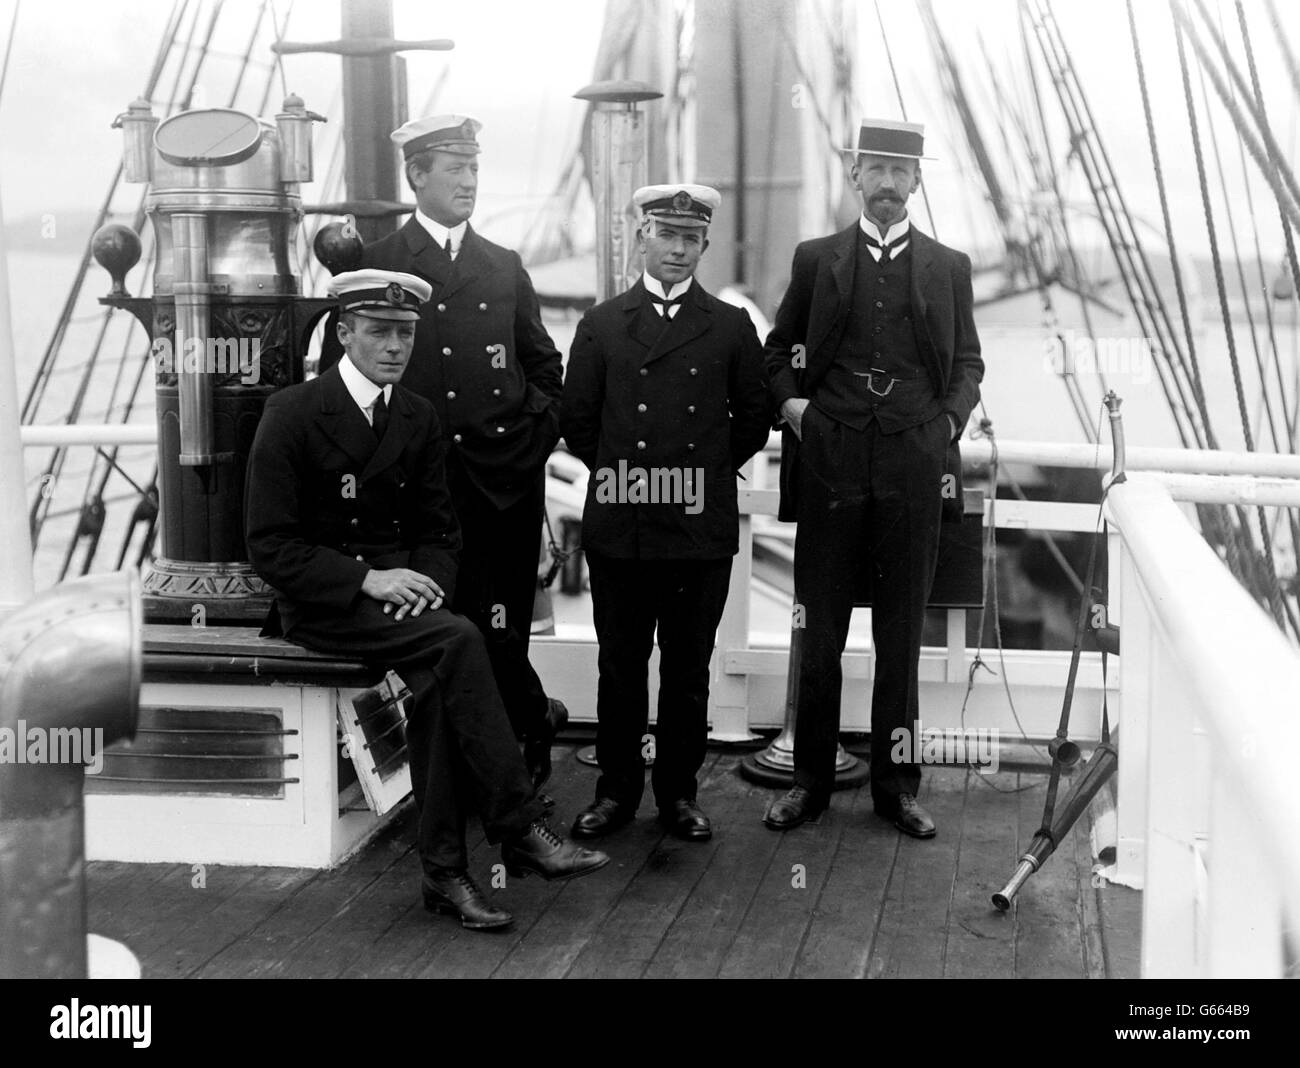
(473, 261)
(923, 254)
(842, 260)
(342, 421)
(643, 325)
(693, 319)
(400, 415)
(426, 258)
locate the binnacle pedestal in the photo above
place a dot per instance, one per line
(227, 328)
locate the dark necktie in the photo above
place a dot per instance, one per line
(889, 251)
(379, 417)
(664, 305)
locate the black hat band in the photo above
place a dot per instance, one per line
(392, 295)
(452, 138)
(680, 204)
(890, 142)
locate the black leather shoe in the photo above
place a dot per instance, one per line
(603, 816)
(537, 749)
(910, 818)
(456, 894)
(686, 820)
(542, 851)
(796, 807)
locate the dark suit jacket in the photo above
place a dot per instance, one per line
(815, 311)
(324, 501)
(699, 379)
(482, 357)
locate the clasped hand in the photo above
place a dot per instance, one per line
(402, 590)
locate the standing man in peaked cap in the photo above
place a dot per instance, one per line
(875, 366)
(349, 519)
(664, 401)
(484, 360)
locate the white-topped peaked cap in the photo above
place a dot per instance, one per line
(380, 294)
(885, 137)
(683, 204)
(446, 133)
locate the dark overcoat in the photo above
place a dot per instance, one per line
(325, 502)
(676, 398)
(482, 357)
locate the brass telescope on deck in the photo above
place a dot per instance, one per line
(1105, 758)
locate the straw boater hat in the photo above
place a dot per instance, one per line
(882, 137)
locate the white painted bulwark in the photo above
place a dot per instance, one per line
(1210, 683)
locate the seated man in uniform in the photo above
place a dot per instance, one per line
(349, 519)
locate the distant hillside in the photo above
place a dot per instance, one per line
(57, 231)
(1275, 271)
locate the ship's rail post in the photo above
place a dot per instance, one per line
(1210, 735)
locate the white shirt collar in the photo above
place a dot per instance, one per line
(440, 233)
(363, 390)
(897, 230)
(656, 287)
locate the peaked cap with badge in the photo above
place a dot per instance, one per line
(380, 294)
(682, 204)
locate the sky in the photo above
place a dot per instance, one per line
(77, 63)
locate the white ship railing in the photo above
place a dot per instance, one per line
(1209, 812)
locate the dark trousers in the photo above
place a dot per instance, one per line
(866, 500)
(496, 582)
(629, 599)
(463, 755)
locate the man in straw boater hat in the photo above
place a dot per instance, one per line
(350, 520)
(485, 361)
(664, 401)
(874, 363)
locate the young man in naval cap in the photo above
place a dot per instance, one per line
(664, 401)
(484, 360)
(874, 364)
(349, 519)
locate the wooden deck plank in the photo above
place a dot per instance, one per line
(702, 933)
(1093, 937)
(911, 939)
(839, 938)
(875, 902)
(768, 941)
(1048, 911)
(359, 920)
(1119, 911)
(301, 915)
(981, 940)
(634, 929)
(127, 908)
(560, 934)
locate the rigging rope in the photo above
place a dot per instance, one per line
(1259, 99)
(1198, 386)
(9, 48)
(902, 107)
(1241, 273)
(1135, 270)
(1272, 594)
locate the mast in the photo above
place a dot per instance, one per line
(372, 107)
(17, 585)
